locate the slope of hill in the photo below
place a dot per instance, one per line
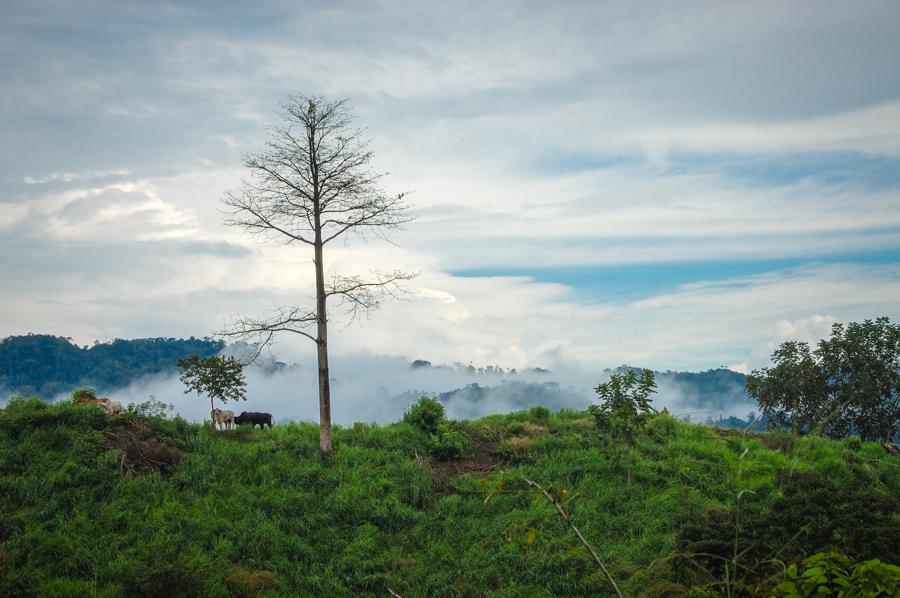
(141, 505)
(46, 365)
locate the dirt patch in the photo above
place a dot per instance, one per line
(244, 582)
(139, 447)
(517, 443)
(737, 432)
(534, 429)
(585, 423)
(480, 460)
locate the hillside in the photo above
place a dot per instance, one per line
(46, 365)
(142, 505)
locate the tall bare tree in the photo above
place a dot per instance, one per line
(310, 185)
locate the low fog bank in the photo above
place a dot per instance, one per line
(379, 389)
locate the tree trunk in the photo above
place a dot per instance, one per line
(212, 413)
(322, 352)
(819, 429)
(321, 314)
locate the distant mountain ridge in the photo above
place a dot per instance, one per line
(701, 396)
(47, 365)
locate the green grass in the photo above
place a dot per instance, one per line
(260, 512)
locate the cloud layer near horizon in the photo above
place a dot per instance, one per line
(754, 151)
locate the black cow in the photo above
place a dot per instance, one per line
(254, 419)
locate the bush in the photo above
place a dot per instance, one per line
(446, 444)
(810, 514)
(624, 403)
(426, 414)
(539, 415)
(835, 574)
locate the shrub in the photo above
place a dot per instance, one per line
(625, 403)
(150, 408)
(812, 514)
(426, 414)
(446, 444)
(833, 574)
(539, 415)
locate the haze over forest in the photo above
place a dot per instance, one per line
(367, 388)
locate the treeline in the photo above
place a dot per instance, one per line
(46, 365)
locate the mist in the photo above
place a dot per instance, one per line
(373, 388)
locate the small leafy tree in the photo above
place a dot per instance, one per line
(426, 414)
(218, 377)
(624, 400)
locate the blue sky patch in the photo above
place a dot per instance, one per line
(629, 282)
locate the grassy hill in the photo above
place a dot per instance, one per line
(142, 505)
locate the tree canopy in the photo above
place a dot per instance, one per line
(849, 384)
(47, 365)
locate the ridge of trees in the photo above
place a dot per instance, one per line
(46, 365)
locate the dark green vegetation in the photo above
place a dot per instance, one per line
(45, 365)
(142, 505)
(850, 384)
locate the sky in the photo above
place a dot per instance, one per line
(676, 185)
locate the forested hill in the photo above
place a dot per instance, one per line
(45, 365)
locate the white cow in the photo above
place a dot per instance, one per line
(111, 407)
(224, 417)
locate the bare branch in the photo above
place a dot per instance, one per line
(259, 332)
(565, 517)
(359, 295)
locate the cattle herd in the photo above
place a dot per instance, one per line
(224, 418)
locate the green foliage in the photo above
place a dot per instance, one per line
(833, 574)
(446, 443)
(624, 403)
(539, 415)
(151, 408)
(849, 384)
(426, 414)
(792, 393)
(217, 377)
(803, 513)
(263, 513)
(862, 364)
(46, 365)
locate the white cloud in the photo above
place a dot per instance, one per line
(11, 215)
